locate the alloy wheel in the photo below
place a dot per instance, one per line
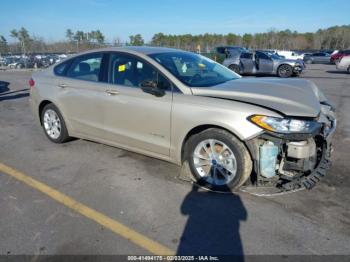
(215, 162)
(52, 124)
(285, 70)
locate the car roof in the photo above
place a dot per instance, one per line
(146, 50)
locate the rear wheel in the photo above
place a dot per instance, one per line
(218, 160)
(234, 68)
(285, 71)
(348, 70)
(53, 124)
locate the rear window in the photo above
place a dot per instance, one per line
(86, 67)
(247, 55)
(61, 68)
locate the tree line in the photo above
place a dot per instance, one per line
(336, 37)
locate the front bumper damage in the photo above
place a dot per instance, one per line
(297, 69)
(300, 160)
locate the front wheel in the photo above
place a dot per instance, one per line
(285, 71)
(234, 68)
(218, 160)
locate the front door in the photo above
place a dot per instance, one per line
(265, 63)
(133, 117)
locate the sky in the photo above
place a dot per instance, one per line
(121, 18)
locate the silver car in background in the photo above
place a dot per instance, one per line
(187, 109)
(263, 63)
(317, 58)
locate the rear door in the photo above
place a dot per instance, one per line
(81, 94)
(326, 58)
(247, 62)
(321, 58)
(133, 117)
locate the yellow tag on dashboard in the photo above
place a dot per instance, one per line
(121, 68)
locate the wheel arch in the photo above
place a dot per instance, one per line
(234, 64)
(45, 102)
(283, 64)
(41, 107)
(247, 158)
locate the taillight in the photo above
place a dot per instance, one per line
(31, 82)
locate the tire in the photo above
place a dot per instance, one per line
(235, 68)
(348, 70)
(235, 154)
(53, 124)
(285, 71)
(297, 74)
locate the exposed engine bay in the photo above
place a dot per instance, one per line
(293, 161)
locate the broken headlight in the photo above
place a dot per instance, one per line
(285, 125)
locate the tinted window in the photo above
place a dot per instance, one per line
(60, 69)
(246, 55)
(86, 67)
(347, 52)
(262, 55)
(319, 54)
(131, 71)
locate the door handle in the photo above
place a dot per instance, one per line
(62, 85)
(112, 92)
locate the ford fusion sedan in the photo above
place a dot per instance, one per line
(259, 62)
(187, 109)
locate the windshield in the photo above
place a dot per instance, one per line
(194, 70)
(274, 56)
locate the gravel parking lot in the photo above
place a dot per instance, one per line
(145, 194)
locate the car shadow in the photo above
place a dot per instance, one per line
(4, 95)
(325, 77)
(4, 86)
(337, 72)
(213, 224)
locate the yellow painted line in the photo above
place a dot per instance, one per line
(113, 225)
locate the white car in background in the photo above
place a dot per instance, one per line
(290, 55)
(344, 64)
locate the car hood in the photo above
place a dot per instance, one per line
(288, 61)
(291, 97)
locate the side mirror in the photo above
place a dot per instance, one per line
(150, 87)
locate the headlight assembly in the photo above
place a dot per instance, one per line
(285, 125)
